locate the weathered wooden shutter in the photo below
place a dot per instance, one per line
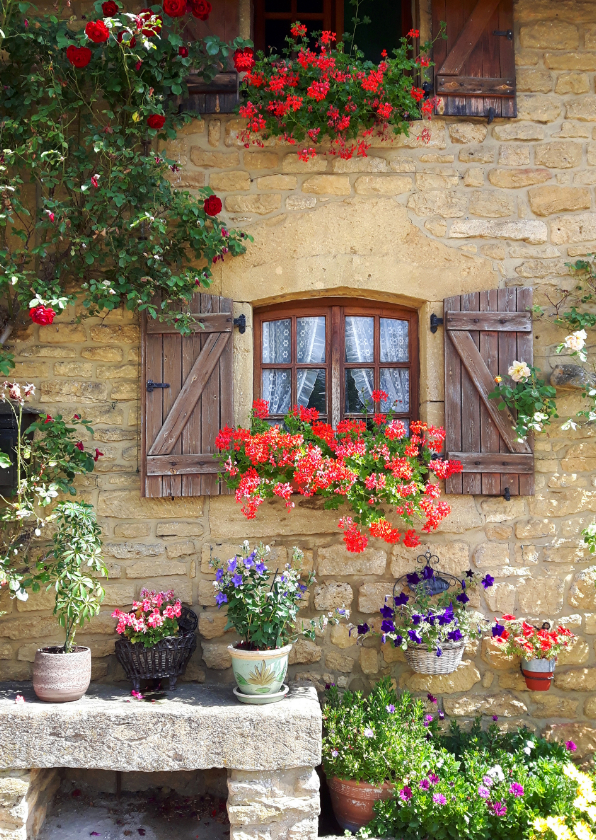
(187, 396)
(484, 333)
(475, 66)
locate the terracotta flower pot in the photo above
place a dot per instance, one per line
(353, 801)
(61, 677)
(538, 673)
(260, 671)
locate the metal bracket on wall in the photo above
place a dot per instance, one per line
(435, 323)
(507, 494)
(240, 322)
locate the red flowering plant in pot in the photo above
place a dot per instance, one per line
(538, 648)
(331, 93)
(83, 124)
(371, 465)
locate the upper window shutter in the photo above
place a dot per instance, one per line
(475, 66)
(484, 333)
(179, 423)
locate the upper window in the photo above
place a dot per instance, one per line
(389, 20)
(331, 355)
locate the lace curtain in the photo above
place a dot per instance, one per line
(277, 349)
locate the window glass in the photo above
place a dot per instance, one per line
(359, 388)
(311, 389)
(394, 340)
(277, 342)
(396, 382)
(384, 30)
(360, 334)
(309, 7)
(277, 390)
(310, 340)
(278, 6)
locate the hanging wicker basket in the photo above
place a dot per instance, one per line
(424, 660)
(167, 659)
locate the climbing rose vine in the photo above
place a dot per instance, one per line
(371, 465)
(332, 93)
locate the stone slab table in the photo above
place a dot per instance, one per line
(270, 752)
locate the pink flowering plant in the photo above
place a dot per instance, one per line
(371, 464)
(152, 618)
(331, 93)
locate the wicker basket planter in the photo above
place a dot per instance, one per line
(167, 659)
(424, 660)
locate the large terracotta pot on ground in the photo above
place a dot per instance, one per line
(538, 673)
(60, 677)
(353, 801)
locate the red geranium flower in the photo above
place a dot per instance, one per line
(183, 52)
(212, 205)
(175, 8)
(78, 56)
(97, 31)
(109, 8)
(201, 9)
(42, 315)
(130, 43)
(156, 121)
(380, 396)
(244, 60)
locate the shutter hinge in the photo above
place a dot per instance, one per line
(428, 88)
(240, 322)
(435, 323)
(151, 385)
(504, 33)
(507, 494)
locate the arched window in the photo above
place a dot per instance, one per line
(331, 353)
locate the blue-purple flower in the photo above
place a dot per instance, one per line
(413, 578)
(428, 573)
(439, 651)
(386, 612)
(416, 619)
(398, 640)
(237, 579)
(219, 575)
(261, 568)
(469, 573)
(455, 635)
(387, 626)
(431, 698)
(232, 564)
(487, 581)
(249, 561)
(462, 598)
(363, 628)
(390, 708)
(401, 600)
(415, 637)
(220, 598)
(498, 629)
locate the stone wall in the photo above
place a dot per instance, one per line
(475, 208)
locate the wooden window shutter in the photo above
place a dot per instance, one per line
(475, 66)
(484, 333)
(179, 423)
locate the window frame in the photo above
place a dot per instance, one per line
(336, 310)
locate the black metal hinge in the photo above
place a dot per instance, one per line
(240, 322)
(504, 33)
(151, 385)
(435, 323)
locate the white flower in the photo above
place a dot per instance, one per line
(569, 424)
(369, 733)
(576, 340)
(496, 772)
(519, 371)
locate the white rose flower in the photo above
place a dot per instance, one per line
(519, 371)
(576, 340)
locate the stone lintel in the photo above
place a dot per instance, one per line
(195, 727)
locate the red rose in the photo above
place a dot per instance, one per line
(128, 43)
(201, 9)
(244, 60)
(212, 205)
(183, 52)
(109, 8)
(78, 56)
(42, 315)
(149, 29)
(156, 121)
(97, 31)
(175, 8)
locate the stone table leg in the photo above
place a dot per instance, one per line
(279, 805)
(24, 799)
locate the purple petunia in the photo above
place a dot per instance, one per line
(469, 573)
(499, 809)
(387, 626)
(413, 579)
(405, 793)
(363, 629)
(386, 612)
(415, 637)
(237, 579)
(439, 799)
(571, 746)
(424, 784)
(401, 600)
(439, 651)
(398, 640)
(498, 629)
(455, 635)
(483, 792)
(487, 581)
(416, 619)
(220, 599)
(428, 573)
(516, 789)
(462, 598)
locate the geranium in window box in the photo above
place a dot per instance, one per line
(158, 637)
(369, 464)
(331, 93)
(537, 647)
(263, 608)
(431, 630)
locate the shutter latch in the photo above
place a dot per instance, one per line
(151, 385)
(435, 323)
(240, 322)
(504, 33)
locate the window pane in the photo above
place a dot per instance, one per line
(360, 334)
(311, 389)
(359, 387)
(277, 342)
(309, 7)
(278, 6)
(277, 390)
(394, 340)
(311, 340)
(276, 32)
(396, 382)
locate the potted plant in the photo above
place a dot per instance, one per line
(157, 638)
(537, 647)
(371, 745)
(431, 630)
(263, 609)
(370, 464)
(62, 673)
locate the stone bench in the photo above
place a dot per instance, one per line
(270, 752)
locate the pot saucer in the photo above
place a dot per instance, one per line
(261, 699)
